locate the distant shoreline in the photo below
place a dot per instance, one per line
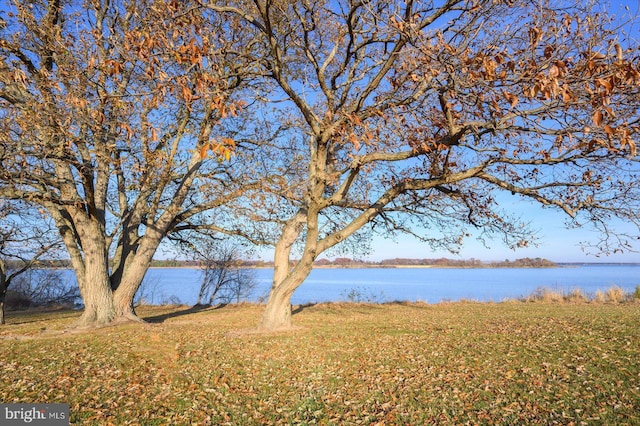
(389, 263)
(394, 263)
(390, 266)
(400, 266)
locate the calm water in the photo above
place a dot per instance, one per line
(430, 285)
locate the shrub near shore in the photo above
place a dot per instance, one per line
(402, 363)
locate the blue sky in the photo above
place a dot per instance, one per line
(555, 242)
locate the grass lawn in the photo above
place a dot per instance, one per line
(449, 363)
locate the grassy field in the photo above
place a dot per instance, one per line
(449, 363)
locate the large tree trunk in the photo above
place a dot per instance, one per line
(277, 314)
(123, 303)
(96, 288)
(132, 277)
(85, 242)
(124, 295)
(98, 300)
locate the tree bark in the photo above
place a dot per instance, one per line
(98, 301)
(132, 278)
(277, 314)
(97, 295)
(125, 293)
(123, 304)
(278, 311)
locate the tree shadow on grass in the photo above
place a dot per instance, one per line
(26, 316)
(192, 310)
(301, 308)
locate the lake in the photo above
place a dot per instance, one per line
(431, 285)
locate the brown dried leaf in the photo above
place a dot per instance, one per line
(535, 35)
(597, 118)
(632, 148)
(203, 150)
(512, 99)
(608, 130)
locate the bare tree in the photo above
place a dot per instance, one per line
(45, 286)
(412, 116)
(27, 241)
(224, 279)
(113, 119)
(150, 292)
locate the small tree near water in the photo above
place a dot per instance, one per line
(41, 287)
(223, 278)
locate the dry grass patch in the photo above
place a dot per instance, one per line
(453, 363)
(613, 294)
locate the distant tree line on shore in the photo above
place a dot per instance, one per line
(441, 262)
(346, 262)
